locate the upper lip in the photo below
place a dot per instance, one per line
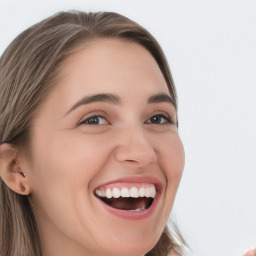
(136, 179)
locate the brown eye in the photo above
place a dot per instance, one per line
(159, 119)
(95, 120)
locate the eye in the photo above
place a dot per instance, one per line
(160, 119)
(95, 120)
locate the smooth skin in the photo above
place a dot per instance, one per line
(79, 144)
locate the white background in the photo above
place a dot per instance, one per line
(211, 49)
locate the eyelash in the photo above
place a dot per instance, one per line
(85, 122)
(168, 120)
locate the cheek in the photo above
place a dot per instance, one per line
(72, 160)
(63, 169)
(172, 157)
(172, 160)
(177, 159)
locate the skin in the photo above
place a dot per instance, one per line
(71, 159)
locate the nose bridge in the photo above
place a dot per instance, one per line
(135, 147)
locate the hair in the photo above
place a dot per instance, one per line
(28, 71)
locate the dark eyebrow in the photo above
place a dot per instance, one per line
(103, 97)
(162, 97)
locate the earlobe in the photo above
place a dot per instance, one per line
(11, 170)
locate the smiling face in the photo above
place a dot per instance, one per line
(106, 155)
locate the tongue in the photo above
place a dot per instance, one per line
(129, 203)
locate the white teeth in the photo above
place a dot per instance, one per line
(99, 192)
(116, 193)
(142, 192)
(152, 191)
(108, 193)
(147, 192)
(125, 192)
(134, 192)
(137, 210)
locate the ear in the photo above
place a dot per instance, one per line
(12, 169)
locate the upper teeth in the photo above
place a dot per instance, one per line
(134, 191)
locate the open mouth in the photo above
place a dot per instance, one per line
(127, 197)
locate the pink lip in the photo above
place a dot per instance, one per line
(133, 215)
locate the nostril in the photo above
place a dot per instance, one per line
(132, 161)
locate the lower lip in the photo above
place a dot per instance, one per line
(132, 215)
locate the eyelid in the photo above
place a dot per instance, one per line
(168, 117)
(98, 114)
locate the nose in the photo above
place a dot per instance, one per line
(134, 148)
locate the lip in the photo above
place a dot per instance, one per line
(134, 215)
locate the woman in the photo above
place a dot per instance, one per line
(90, 154)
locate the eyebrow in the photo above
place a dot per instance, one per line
(116, 100)
(162, 97)
(103, 97)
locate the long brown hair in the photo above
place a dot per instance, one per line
(28, 71)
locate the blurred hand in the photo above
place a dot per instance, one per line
(250, 252)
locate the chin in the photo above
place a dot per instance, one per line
(128, 246)
(131, 250)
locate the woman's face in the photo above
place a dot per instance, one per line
(106, 155)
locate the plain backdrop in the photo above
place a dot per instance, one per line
(211, 49)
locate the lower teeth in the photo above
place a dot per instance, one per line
(128, 204)
(137, 210)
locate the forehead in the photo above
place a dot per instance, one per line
(109, 66)
(111, 61)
